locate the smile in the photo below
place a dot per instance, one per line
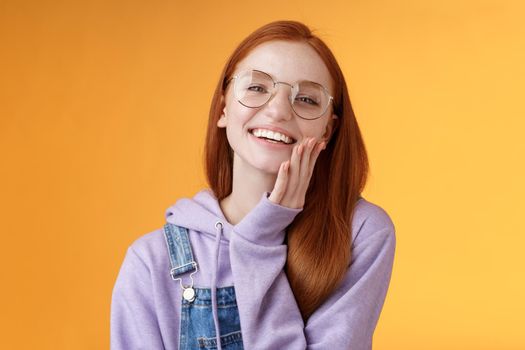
(272, 136)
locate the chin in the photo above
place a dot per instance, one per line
(269, 167)
(268, 164)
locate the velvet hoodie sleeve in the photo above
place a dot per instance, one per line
(134, 323)
(269, 314)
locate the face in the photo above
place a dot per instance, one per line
(246, 127)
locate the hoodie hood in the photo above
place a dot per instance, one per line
(201, 214)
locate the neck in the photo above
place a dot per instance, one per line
(248, 186)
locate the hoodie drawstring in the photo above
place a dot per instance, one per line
(218, 227)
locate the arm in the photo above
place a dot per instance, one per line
(348, 318)
(133, 319)
(270, 317)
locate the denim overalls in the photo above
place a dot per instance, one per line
(197, 326)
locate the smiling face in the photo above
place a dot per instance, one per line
(248, 129)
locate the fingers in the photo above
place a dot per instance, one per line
(311, 152)
(301, 165)
(305, 159)
(318, 148)
(295, 167)
(279, 189)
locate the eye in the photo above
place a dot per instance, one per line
(257, 88)
(307, 100)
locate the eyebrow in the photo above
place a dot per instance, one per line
(281, 81)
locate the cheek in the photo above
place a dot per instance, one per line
(237, 124)
(239, 115)
(313, 128)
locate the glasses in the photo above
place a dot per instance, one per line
(254, 88)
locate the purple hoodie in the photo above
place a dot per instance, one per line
(146, 302)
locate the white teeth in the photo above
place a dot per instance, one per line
(277, 136)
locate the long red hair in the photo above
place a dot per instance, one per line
(319, 239)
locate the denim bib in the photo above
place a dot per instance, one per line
(197, 328)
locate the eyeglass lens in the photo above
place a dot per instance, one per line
(254, 88)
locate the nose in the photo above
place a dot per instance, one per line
(279, 106)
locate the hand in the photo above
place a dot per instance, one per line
(294, 175)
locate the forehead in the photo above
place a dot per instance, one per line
(289, 62)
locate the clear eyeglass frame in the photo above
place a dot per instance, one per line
(293, 86)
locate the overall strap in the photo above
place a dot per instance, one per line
(181, 257)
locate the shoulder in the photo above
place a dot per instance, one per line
(371, 221)
(150, 248)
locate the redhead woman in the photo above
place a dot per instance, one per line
(282, 251)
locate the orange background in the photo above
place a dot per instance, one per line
(103, 107)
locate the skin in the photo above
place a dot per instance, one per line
(258, 167)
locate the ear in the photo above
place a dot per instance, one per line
(330, 127)
(222, 122)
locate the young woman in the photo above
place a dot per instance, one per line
(282, 252)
